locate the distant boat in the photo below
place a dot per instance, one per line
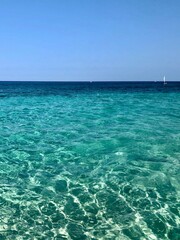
(164, 80)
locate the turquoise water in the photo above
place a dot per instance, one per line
(81, 161)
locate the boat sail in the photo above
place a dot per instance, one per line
(164, 80)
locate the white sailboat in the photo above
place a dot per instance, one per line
(164, 80)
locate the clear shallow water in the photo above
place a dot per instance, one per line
(89, 161)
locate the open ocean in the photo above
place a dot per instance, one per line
(89, 160)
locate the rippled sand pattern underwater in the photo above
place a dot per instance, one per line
(90, 165)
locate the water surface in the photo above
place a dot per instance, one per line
(89, 160)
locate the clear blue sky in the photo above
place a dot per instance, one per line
(89, 39)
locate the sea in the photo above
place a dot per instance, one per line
(89, 160)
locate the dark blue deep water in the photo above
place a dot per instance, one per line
(89, 160)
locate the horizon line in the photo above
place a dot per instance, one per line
(88, 81)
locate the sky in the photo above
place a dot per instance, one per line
(89, 40)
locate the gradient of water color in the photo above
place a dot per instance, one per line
(89, 161)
